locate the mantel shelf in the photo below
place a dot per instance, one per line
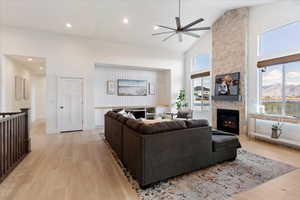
(227, 98)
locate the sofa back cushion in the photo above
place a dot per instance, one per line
(134, 124)
(112, 114)
(159, 127)
(117, 117)
(196, 123)
(122, 118)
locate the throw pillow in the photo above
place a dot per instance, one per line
(131, 116)
(124, 113)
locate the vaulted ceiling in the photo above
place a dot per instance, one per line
(103, 19)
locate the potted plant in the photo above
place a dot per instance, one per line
(276, 130)
(181, 100)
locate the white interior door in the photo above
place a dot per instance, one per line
(70, 104)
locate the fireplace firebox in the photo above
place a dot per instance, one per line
(228, 121)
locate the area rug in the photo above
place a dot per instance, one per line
(215, 183)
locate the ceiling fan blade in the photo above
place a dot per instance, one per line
(178, 23)
(162, 33)
(180, 37)
(191, 34)
(173, 29)
(169, 37)
(197, 29)
(193, 23)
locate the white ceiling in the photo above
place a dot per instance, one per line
(37, 66)
(102, 19)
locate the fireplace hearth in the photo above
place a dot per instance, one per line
(228, 121)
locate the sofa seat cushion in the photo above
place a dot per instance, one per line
(225, 142)
(196, 123)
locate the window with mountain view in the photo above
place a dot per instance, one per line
(280, 89)
(280, 83)
(292, 89)
(271, 89)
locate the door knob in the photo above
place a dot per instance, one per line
(61, 107)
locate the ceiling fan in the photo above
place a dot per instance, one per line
(179, 30)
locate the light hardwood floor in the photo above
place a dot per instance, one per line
(78, 166)
(70, 166)
(286, 187)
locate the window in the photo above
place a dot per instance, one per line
(280, 89)
(201, 62)
(280, 40)
(201, 93)
(292, 89)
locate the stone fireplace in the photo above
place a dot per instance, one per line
(228, 121)
(229, 55)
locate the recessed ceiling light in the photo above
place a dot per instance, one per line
(155, 27)
(68, 25)
(29, 59)
(125, 20)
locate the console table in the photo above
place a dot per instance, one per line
(281, 119)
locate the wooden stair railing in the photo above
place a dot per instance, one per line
(15, 141)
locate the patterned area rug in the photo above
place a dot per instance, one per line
(215, 183)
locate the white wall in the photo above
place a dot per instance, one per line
(105, 73)
(76, 56)
(38, 97)
(10, 70)
(265, 18)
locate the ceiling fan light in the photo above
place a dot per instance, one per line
(69, 25)
(155, 27)
(125, 20)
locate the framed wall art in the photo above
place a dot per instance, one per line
(111, 87)
(132, 87)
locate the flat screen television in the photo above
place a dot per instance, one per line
(227, 84)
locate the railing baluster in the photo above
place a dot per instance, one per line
(6, 146)
(3, 143)
(1, 150)
(18, 135)
(9, 144)
(13, 140)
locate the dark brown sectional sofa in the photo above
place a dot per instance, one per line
(154, 152)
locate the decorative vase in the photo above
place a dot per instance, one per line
(276, 133)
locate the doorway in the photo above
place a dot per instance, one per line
(70, 104)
